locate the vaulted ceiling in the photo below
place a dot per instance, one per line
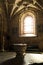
(17, 5)
(14, 6)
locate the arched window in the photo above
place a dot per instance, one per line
(27, 25)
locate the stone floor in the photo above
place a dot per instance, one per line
(10, 58)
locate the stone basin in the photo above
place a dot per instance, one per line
(19, 48)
